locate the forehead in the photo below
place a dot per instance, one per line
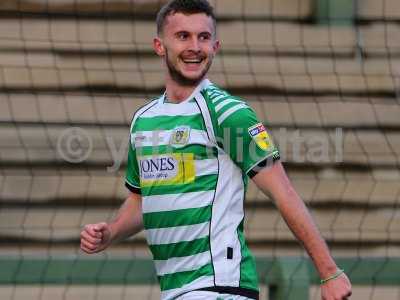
(195, 23)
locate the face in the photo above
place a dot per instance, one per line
(188, 45)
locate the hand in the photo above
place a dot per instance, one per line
(336, 289)
(95, 237)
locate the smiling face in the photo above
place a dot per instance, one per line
(188, 45)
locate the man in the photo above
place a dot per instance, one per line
(192, 151)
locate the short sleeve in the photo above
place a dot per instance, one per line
(247, 141)
(132, 179)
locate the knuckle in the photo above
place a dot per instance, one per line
(88, 250)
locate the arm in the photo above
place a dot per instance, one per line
(129, 221)
(274, 181)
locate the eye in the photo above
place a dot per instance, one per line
(204, 36)
(182, 35)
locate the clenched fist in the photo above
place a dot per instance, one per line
(95, 237)
(336, 289)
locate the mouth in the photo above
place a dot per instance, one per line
(193, 60)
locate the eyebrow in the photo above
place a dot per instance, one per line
(200, 33)
(206, 32)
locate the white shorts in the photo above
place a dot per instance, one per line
(204, 295)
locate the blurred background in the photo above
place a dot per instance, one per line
(324, 75)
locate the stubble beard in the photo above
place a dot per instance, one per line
(181, 79)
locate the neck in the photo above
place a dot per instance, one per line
(177, 93)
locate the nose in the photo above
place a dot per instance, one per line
(194, 44)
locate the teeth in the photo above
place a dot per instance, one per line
(192, 61)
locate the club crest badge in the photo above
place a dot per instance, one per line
(260, 136)
(180, 136)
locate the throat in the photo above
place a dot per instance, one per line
(176, 93)
(177, 96)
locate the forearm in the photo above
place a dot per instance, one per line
(128, 220)
(300, 222)
(274, 181)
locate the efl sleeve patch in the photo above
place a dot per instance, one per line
(261, 137)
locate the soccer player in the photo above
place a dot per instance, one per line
(192, 151)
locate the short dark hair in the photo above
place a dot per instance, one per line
(186, 7)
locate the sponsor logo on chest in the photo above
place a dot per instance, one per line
(158, 167)
(167, 169)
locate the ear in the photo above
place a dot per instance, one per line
(158, 46)
(216, 46)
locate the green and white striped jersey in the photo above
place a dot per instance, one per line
(190, 161)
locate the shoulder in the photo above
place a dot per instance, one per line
(141, 110)
(225, 107)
